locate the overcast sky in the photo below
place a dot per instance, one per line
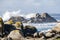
(27, 6)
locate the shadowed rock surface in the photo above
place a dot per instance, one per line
(29, 30)
(8, 28)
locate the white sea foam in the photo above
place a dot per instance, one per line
(6, 16)
(30, 15)
(9, 14)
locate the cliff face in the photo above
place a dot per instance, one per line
(44, 17)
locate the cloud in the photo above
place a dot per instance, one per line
(30, 5)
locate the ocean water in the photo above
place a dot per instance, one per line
(44, 27)
(56, 16)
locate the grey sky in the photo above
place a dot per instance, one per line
(27, 6)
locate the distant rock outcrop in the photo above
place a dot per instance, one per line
(45, 17)
(37, 18)
(18, 18)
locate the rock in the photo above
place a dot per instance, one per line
(49, 35)
(15, 35)
(18, 25)
(5, 29)
(41, 34)
(51, 38)
(38, 34)
(44, 17)
(35, 35)
(1, 27)
(9, 22)
(18, 18)
(5, 38)
(57, 36)
(57, 28)
(8, 28)
(29, 30)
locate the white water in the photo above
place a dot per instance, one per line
(42, 26)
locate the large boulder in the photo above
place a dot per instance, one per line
(29, 30)
(49, 35)
(15, 35)
(57, 28)
(5, 29)
(8, 28)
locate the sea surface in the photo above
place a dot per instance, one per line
(56, 16)
(44, 27)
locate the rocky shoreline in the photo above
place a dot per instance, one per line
(16, 31)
